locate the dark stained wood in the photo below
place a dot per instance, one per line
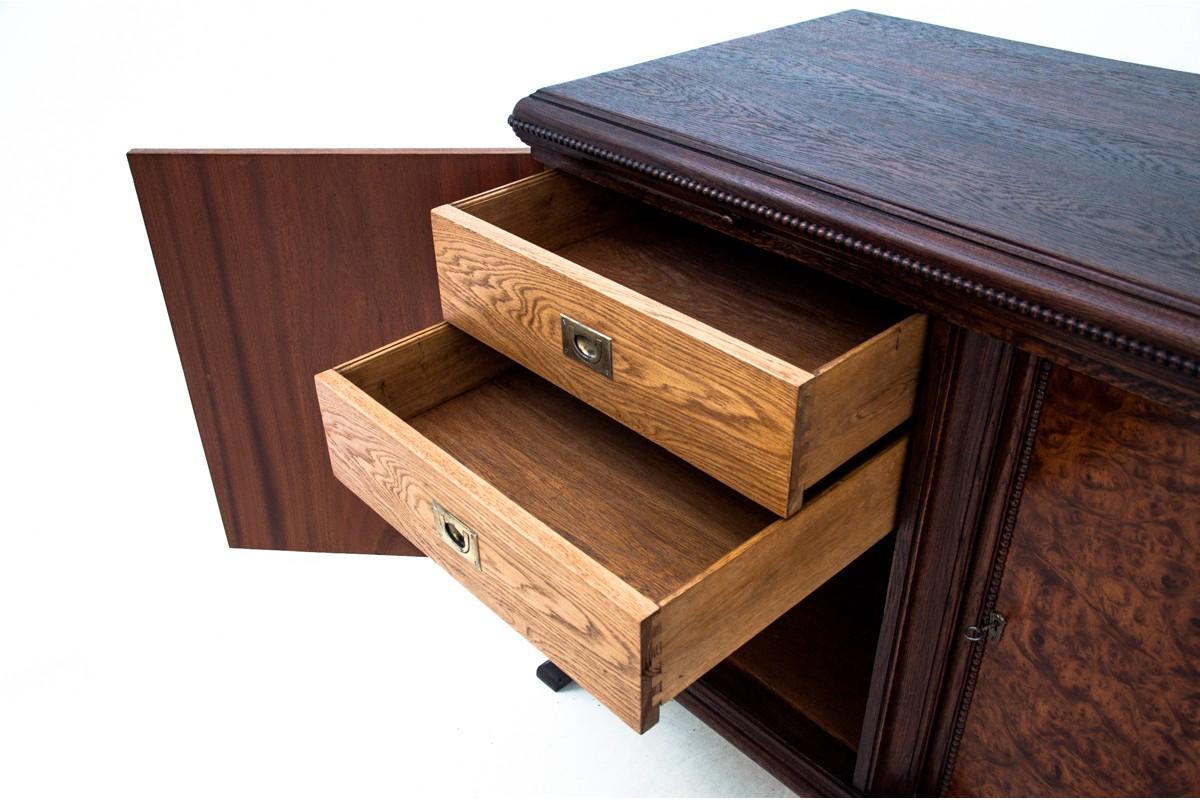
(798, 315)
(647, 516)
(962, 440)
(276, 265)
(1084, 158)
(1049, 198)
(776, 736)
(1092, 690)
(983, 565)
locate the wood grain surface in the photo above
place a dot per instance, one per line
(1088, 159)
(650, 518)
(719, 369)
(565, 603)
(1050, 196)
(632, 570)
(276, 265)
(857, 397)
(802, 317)
(755, 584)
(963, 436)
(818, 657)
(796, 707)
(435, 364)
(1092, 689)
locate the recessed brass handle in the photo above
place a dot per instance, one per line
(587, 345)
(457, 534)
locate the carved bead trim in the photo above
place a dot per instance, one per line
(1003, 543)
(958, 283)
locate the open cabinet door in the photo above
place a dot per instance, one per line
(276, 265)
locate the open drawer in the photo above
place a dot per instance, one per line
(762, 373)
(634, 571)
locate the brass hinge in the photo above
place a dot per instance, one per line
(991, 626)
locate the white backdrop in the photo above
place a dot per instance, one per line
(138, 655)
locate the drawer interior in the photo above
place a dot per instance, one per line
(647, 516)
(799, 315)
(759, 371)
(632, 569)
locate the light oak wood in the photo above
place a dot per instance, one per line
(634, 571)
(558, 213)
(565, 603)
(855, 398)
(717, 347)
(647, 516)
(746, 591)
(434, 365)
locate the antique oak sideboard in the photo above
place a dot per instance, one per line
(872, 434)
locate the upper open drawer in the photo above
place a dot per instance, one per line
(762, 373)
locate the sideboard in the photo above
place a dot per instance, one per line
(1015, 229)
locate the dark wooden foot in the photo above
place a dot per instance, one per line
(549, 674)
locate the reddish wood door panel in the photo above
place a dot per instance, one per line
(1093, 689)
(276, 265)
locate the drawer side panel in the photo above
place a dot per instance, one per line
(858, 398)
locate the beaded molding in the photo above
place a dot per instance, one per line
(996, 297)
(999, 562)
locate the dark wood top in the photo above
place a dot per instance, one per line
(1068, 182)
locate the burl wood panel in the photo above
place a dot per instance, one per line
(276, 265)
(1094, 688)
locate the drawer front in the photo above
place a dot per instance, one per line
(687, 387)
(761, 425)
(563, 602)
(633, 649)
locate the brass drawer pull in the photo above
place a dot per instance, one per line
(455, 533)
(587, 345)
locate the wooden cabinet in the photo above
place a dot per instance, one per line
(840, 382)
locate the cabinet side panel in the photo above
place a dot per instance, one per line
(275, 266)
(1092, 688)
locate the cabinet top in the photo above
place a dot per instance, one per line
(1067, 181)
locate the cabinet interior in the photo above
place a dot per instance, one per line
(806, 677)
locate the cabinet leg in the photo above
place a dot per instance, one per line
(549, 674)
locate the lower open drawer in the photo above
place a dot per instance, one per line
(630, 569)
